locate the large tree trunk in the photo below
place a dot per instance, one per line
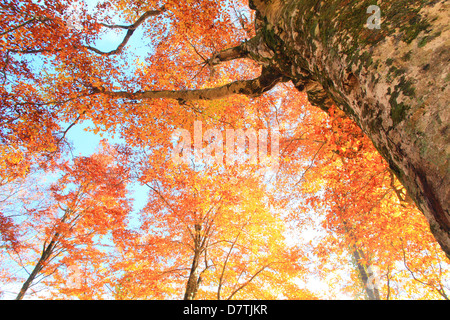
(392, 81)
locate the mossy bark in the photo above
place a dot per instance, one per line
(392, 81)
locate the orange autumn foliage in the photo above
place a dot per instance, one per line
(201, 230)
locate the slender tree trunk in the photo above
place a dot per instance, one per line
(194, 280)
(392, 81)
(37, 268)
(366, 274)
(367, 277)
(46, 254)
(193, 283)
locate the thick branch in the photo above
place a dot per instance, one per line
(139, 21)
(131, 28)
(251, 88)
(228, 54)
(255, 49)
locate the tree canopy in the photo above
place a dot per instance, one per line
(328, 209)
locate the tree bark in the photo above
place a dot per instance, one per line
(252, 88)
(194, 277)
(193, 280)
(46, 254)
(367, 276)
(392, 81)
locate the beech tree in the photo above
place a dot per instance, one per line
(206, 235)
(391, 81)
(225, 61)
(85, 203)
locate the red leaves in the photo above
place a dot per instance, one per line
(8, 232)
(330, 176)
